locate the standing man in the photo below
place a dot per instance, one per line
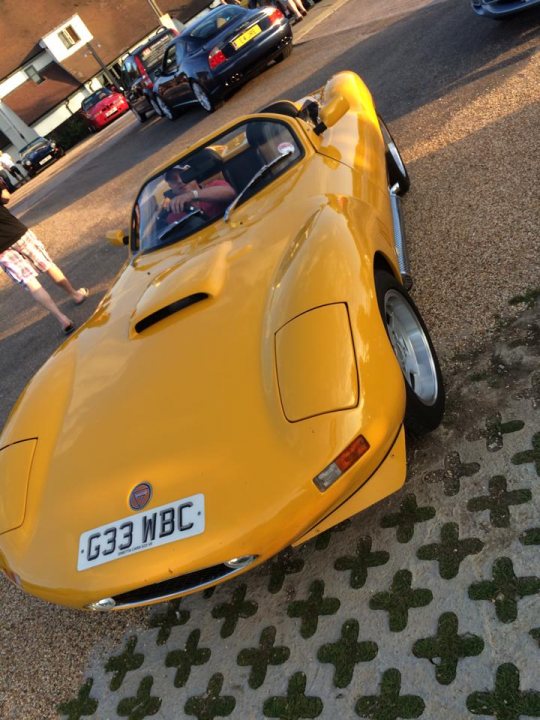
(6, 161)
(22, 256)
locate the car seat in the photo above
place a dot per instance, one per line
(201, 166)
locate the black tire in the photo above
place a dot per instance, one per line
(285, 53)
(415, 354)
(202, 97)
(155, 107)
(397, 172)
(140, 117)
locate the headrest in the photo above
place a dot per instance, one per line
(257, 133)
(200, 166)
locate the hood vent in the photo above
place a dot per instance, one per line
(169, 310)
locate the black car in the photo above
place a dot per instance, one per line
(38, 154)
(139, 72)
(218, 52)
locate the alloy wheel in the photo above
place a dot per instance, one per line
(202, 97)
(411, 347)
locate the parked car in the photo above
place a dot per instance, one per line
(501, 9)
(38, 154)
(245, 383)
(217, 53)
(139, 72)
(103, 107)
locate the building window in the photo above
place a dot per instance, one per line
(33, 75)
(68, 36)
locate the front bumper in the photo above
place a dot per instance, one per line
(36, 167)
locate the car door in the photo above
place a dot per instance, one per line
(174, 88)
(166, 80)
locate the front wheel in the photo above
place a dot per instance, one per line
(202, 97)
(397, 172)
(415, 354)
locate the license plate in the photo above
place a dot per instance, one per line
(246, 37)
(159, 526)
(45, 160)
(110, 112)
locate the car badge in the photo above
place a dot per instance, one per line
(140, 496)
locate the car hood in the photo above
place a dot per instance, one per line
(173, 382)
(37, 153)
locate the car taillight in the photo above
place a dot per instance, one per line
(215, 58)
(276, 16)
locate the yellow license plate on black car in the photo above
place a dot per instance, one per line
(246, 37)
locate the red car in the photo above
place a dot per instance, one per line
(102, 107)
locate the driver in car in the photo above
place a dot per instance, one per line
(211, 196)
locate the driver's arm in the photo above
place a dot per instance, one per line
(222, 193)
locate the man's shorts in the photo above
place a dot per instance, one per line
(25, 258)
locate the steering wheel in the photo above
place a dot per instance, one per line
(191, 213)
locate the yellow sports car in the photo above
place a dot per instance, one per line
(245, 383)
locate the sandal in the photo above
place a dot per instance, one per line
(85, 293)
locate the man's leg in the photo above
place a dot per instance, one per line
(42, 297)
(14, 170)
(61, 280)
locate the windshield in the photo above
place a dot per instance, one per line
(200, 187)
(152, 54)
(214, 22)
(95, 98)
(34, 145)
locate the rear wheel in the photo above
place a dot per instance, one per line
(202, 97)
(166, 110)
(397, 172)
(155, 107)
(415, 354)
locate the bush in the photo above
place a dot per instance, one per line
(70, 132)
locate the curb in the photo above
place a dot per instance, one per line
(316, 16)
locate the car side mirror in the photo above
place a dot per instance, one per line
(332, 112)
(117, 237)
